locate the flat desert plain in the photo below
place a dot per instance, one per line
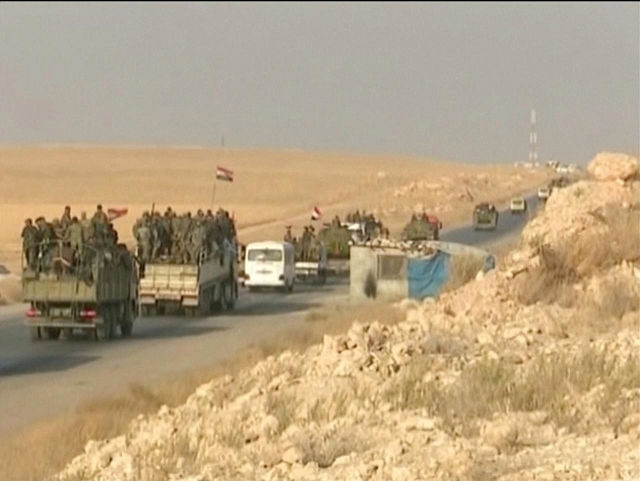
(271, 188)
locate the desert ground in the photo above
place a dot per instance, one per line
(271, 188)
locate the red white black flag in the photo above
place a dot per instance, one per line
(316, 214)
(113, 214)
(224, 174)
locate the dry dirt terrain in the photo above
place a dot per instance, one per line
(528, 372)
(270, 189)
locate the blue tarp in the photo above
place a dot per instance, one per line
(427, 276)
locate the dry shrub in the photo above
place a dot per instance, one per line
(488, 387)
(325, 448)
(283, 407)
(550, 281)
(463, 268)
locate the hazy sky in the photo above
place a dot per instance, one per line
(452, 81)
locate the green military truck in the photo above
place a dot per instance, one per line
(485, 217)
(421, 228)
(194, 288)
(95, 292)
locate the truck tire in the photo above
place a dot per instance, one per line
(228, 295)
(52, 332)
(104, 331)
(36, 333)
(290, 286)
(126, 323)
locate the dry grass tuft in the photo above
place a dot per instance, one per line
(324, 449)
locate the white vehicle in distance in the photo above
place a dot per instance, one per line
(544, 193)
(269, 264)
(518, 205)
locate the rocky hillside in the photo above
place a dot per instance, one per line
(528, 372)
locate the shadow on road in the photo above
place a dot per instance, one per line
(42, 364)
(174, 329)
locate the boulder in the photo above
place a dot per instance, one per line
(613, 166)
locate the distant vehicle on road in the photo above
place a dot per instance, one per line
(270, 264)
(422, 227)
(518, 205)
(544, 193)
(485, 217)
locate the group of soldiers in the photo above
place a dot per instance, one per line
(307, 248)
(65, 238)
(360, 217)
(182, 239)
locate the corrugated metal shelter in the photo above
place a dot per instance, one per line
(394, 270)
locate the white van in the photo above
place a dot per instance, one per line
(269, 264)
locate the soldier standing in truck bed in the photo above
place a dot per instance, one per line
(99, 224)
(30, 243)
(65, 220)
(75, 235)
(87, 229)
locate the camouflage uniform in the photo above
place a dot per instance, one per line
(87, 227)
(288, 237)
(46, 237)
(65, 220)
(196, 244)
(144, 242)
(100, 223)
(75, 234)
(30, 243)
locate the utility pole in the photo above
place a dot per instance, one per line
(533, 139)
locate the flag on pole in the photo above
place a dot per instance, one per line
(224, 174)
(316, 214)
(113, 214)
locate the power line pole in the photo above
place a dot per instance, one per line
(533, 139)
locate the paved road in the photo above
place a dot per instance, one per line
(508, 225)
(38, 380)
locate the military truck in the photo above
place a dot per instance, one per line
(421, 228)
(485, 217)
(195, 288)
(95, 292)
(314, 266)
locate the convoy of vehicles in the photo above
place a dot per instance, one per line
(270, 264)
(103, 290)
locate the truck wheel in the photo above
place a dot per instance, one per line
(36, 333)
(67, 333)
(52, 332)
(126, 324)
(290, 286)
(103, 331)
(229, 294)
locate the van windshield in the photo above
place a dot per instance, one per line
(265, 255)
